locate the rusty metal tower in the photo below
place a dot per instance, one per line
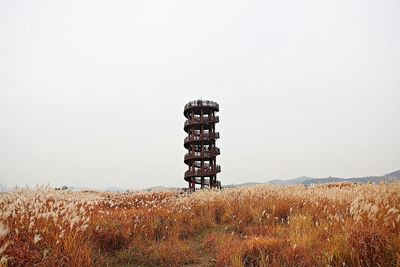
(200, 143)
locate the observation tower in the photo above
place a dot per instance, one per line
(200, 143)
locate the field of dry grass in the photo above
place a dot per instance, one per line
(335, 225)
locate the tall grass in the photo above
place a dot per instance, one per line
(332, 225)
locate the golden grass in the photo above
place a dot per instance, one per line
(331, 225)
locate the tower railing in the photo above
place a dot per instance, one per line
(199, 120)
(200, 137)
(205, 154)
(204, 171)
(201, 103)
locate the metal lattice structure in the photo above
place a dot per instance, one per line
(200, 143)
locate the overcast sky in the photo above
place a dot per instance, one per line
(92, 92)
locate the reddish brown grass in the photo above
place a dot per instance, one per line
(345, 225)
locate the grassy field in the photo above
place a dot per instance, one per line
(331, 225)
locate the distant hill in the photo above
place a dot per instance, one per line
(241, 185)
(113, 189)
(395, 174)
(390, 177)
(107, 189)
(290, 181)
(304, 180)
(161, 189)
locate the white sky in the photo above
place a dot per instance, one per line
(92, 92)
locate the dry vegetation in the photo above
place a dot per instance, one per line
(340, 225)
